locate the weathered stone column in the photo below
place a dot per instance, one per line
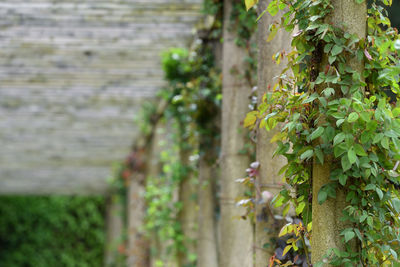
(115, 226)
(138, 243)
(236, 234)
(266, 228)
(326, 217)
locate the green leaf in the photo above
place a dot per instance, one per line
(336, 50)
(273, 31)
(352, 155)
(250, 3)
(352, 117)
(343, 179)
(310, 98)
(396, 204)
(339, 150)
(385, 142)
(370, 187)
(339, 122)
(363, 217)
(365, 116)
(379, 192)
(320, 155)
(286, 250)
(322, 196)
(300, 207)
(273, 8)
(338, 138)
(348, 236)
(327, 48)
(396, 111)
(370, 221)
(328, 91)
(360, 1)
(306, 155)
(346, 165)
(377, 138)
(394, 254)
(360, 150)
(317, 133)
(358, 233)
(331, 59)
(329, 133)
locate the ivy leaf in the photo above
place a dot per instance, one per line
(286, 250)
(300, 208)
(379, 192)
(348, 236)
(365, 116)
(336, 50)
(396, 111)
(339, 122)
(370, 221)
(339, 150)
(273, 29)
(338, 138)
(327, 48)
(329, 133)
(352, 117)
(377, 138)
(369, 187)
(331, 59)
(396, 204)
(306, 155)
(317, 133)
(346, 165)
(352, 155)
(358, 233)
(394, 254)
(385, 142)
(250, 119)
(250, 3)
(320, 155)
(322, 196)
(363, 217)
(343, 179)
(329, 91)
(360, 1)
(273, 8)
(360, 150)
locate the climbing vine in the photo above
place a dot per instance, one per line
(193, 98)
(342, 118)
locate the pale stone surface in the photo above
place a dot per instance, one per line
(72, 76)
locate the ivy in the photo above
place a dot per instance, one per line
(332, 113)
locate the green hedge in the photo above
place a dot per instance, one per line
(52, 231)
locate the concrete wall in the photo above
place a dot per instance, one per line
(72, 76)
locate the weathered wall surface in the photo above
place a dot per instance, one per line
(72, 76)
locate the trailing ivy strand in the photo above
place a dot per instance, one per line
(337, 115)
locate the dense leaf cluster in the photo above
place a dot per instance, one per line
(52, 231)
(337, 116)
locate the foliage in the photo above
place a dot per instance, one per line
(163, 207)
(51, 231)
(193, 99)
(342, 119)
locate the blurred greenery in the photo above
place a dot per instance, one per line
(51, 231)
